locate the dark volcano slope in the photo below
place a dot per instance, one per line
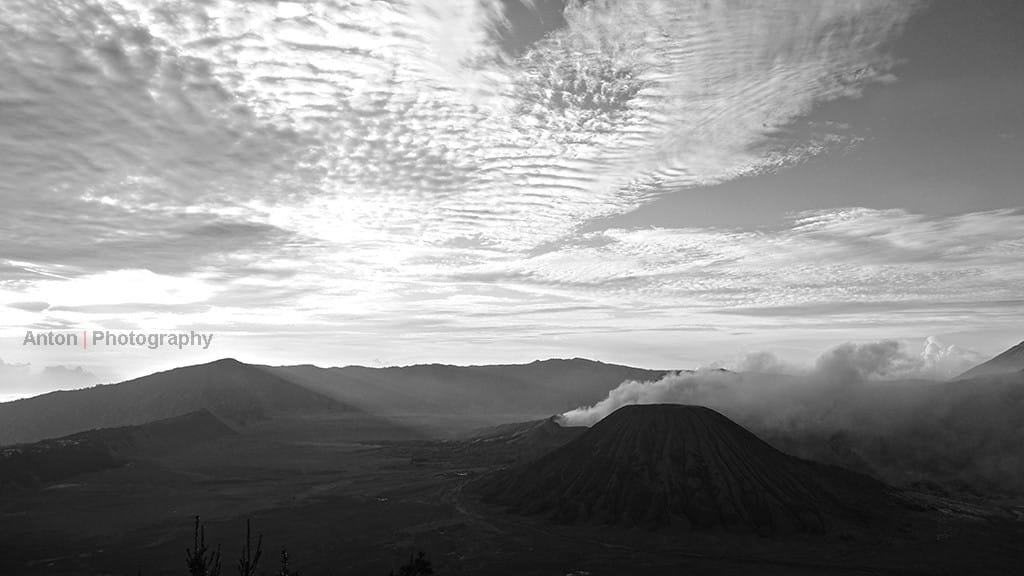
(547, 432)
(516, 442)
(1008, 362)
(688, 466)
(28, 465)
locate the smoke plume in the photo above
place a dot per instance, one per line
(874, 407)
(761, 382)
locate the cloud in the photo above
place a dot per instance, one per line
(64, 376)
(117, 287)
(301, 163)
(20, 380)
(948, 360)
(677, 388)
(764, 363)
(859, 362)
(859, 406)
(761, 388)
(409, 115)
(862, 271)
(13, 372)
(857, 267)
(29, 306)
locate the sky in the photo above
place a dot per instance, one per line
(656, 183)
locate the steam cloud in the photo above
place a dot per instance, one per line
(762, 380)
(875, 408)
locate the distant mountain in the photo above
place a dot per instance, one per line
(241, 394)
(520, 441)
(502, 445)
(1008, 362)
(235, 392)
(689, 466)
(543, 430)
(537, 389)
(26, 465)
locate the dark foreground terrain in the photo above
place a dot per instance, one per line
(349, 507)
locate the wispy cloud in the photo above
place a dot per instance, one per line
(357, 167)
(408, 118)
(859, 270)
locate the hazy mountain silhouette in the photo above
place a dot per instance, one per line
(539, 388)
(519, 441)
(1008, 362)
(60, 458)
(690, 466)
(241, 394)
(237, 393)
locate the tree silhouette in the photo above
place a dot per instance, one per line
(248, 560)
(284, 571)
(418, 565)
(201, 561)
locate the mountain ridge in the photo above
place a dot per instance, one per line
(1009, 361)
(233, 391)
(532, 390)
(241, 393)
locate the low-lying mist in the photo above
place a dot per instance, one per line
(871, 407)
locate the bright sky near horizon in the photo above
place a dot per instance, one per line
(657, 183)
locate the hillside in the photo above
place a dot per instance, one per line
(242, 394)
(533, 431)
(1008, 362)
(689, 466)
(26, 465)
(519, 441)
(538, 388)
(235, 392)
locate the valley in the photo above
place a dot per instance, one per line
(342, 507)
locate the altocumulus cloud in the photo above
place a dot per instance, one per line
(363, 164)
(409, 116)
